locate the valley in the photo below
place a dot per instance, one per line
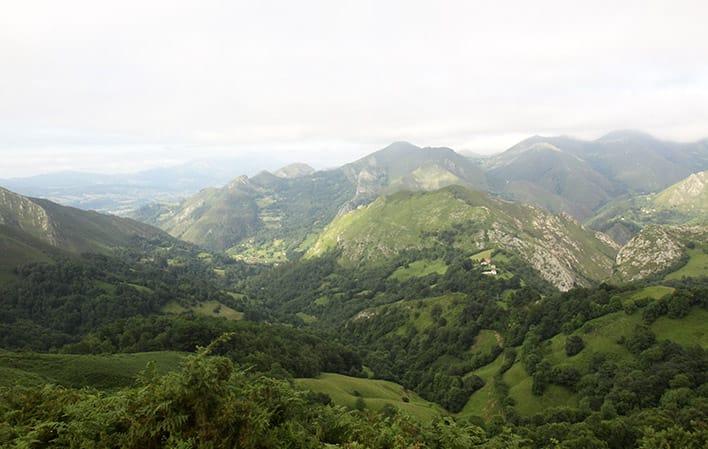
(539, 294)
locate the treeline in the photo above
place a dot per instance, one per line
(280, 351)
(211, 403)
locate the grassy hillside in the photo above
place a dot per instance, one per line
(98, 371)
(18, 248)
(376, 394)
(560, 250)
(604, 335)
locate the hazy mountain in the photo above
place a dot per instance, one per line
(295, 170)
(404, 166)
(37, 229)
(578, 177)
(259, 219)
(556, 246)
(123, 193)
(685, 202)
(264, 218)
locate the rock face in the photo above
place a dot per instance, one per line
(560, 250)
(655, 249)
(21, 213)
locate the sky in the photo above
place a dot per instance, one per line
(114, 86)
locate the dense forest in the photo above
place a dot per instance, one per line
(365, 321)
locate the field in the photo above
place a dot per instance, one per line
(345, 390)
(486, 341)
(696, 266)
(70, 370)
(419, 268)
(206, 308)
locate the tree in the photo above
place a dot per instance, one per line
(573, 345)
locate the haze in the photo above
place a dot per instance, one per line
(126, 85)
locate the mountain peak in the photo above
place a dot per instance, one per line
(294, 170)
(625, 134)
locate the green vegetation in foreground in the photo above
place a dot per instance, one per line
(76, 371)
(376, 394)
(419, 268)
(696, 266)
(211, 308)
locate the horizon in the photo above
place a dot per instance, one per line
(272, 165)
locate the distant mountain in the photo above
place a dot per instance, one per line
(258, 219)
(123, 193)
(37, 230)
(560, 250)
(578, 177)
(295, 170)
(404, 166)
(685, 202)
(269, 216)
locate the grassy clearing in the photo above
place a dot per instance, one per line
(419, 268)
(486, 254)
(307, 319)
(483, 402)
(71, 370)
(486, 341)
(345, 390)
(141, 288)
(696, 266)
(689, 330)
(420, 311)
(207, 308)
(527, 404)
(652, 292)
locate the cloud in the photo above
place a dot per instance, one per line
(331, 80)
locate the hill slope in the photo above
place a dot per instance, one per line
(38, 230)
(267, 217)
(558, 248)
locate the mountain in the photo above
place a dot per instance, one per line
(295, 170)
(123, 193)
(34, 229)
(578, 177)
(685, 202)
(686, 197)
(259, 219)
(267, 217)
(661, 249)
(560, 250)
(404, 166)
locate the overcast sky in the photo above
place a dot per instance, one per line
(122, 85)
